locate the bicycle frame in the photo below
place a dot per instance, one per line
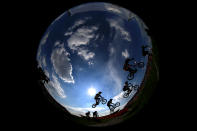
(101, 99)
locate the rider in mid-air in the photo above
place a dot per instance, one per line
(109, 103)
(127, 66)
(126, 86)
(97, 97)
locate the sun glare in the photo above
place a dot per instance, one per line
(91, 91)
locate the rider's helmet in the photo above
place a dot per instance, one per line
(110, 99)
(99, 92)
(126, 82)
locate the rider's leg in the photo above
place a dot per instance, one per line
(97, 101)
(109, 108)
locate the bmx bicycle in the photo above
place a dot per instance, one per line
(135, 65)
(113, 106)
(131, 87)
(101, 100)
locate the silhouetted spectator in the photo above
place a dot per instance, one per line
(95, 114)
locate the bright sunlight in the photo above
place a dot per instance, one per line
(91, 91)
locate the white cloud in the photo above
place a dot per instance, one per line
(75, 41)
(55, 87)
(46, 73)
(80, 39)
(113, 75)
(76, 24)
(44, 39)
(131, 16)
(118, 97)
(44, 61)
(68, 33)
(42, 42)
(41, 61)
(57, 43)
(115, 24)
(79, 22)
(112, 8)
(85, 54)
(111, 51)
(125, 53)
(90, 63)
(61, 63)
(113, 71)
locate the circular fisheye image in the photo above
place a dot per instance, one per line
(97, 61)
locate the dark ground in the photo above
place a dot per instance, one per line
(28, 107)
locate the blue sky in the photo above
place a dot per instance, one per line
(88, 50)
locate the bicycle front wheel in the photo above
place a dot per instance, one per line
(94, 105)
(130, 76)
(117, 104)
(126, 95)
(104, 101)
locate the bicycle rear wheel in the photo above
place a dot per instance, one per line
(126, 95)
(130, 76)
